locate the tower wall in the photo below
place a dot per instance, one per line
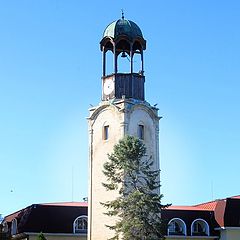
(104, 115)
(144, 114)
(123, 118)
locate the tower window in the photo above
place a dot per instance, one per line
(105, 132)
(141, 131)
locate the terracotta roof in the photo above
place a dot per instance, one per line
(188, 208)
(208, 205)
(213, 204)
(11, 216)
(222, 209)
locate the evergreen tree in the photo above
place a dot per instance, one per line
(41, 236)
(138, 205)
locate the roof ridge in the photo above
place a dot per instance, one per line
(59, 202)
(69, 204)
(213, 201)
(236, 196)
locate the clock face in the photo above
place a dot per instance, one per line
(108, 87)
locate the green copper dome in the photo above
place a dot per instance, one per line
(123, 27)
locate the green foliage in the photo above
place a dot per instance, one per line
(138, 207)
(41, 237)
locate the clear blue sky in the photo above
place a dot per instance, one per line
(50, 71)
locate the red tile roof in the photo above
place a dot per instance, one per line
(218, 207)
(10, 217)
(188, 208)
(208, 206)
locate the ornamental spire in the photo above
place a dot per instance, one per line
(122, 15)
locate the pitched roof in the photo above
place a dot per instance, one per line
(236, 197)
(207, 206)
(48, 217)
(188, 208)
(11, 216)
(222, 208)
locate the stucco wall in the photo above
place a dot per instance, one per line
(230, 234)
(122, 118)
(143, 114)
(99, 148)
(59, 237)
(188, 237)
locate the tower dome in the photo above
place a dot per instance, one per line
(123, 27)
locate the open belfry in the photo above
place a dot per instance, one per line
(122, 111)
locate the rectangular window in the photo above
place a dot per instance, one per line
(105, 132)
(141, 131)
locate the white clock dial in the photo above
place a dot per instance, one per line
(108, 87)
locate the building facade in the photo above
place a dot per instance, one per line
(55, 220)
(219, 220)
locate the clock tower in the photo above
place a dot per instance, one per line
(122, 111)
(123, 38)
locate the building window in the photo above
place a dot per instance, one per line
(80, 225)
(200, 227)
(106, 132)
(176, 227)
(14, 227)
(141, 131)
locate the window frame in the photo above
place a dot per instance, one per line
(182, 226)
(105, 134)
(205, 225)
(83, 230)
(141, 131)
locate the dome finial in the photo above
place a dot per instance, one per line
(122, 15)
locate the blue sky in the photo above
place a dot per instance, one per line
(50, 73)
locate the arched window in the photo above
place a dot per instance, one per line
(14, 227)
(137, 63)
(80, 225)
(176, 226)
(109, 62)
(199, 227)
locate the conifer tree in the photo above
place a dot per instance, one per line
(138, 206)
